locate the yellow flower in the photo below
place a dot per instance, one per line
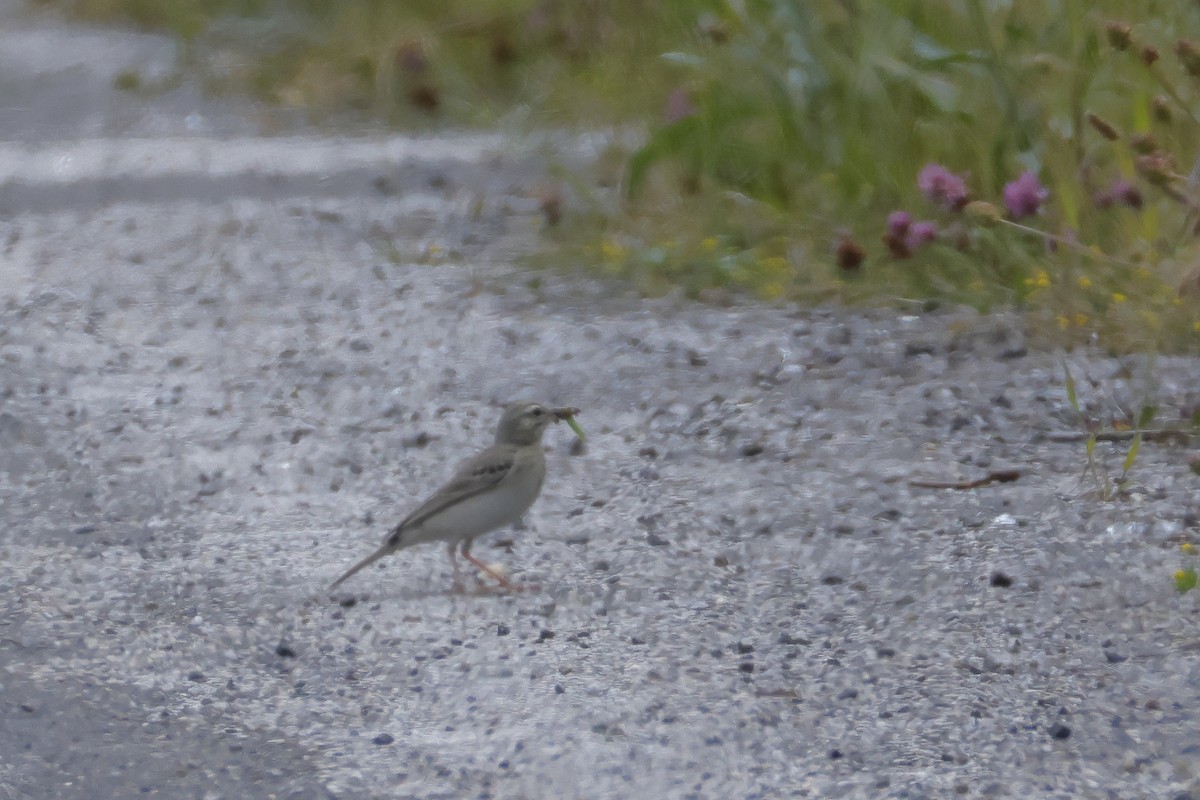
(772, 291)
(775, 264)
(1064, 322)
(1085, 282)
(1180, 575)
(1188, 548)
(1081, 319)
(612, 251)
(1196, 326)
(1041, 280)
(1119, 298)
(709, 243)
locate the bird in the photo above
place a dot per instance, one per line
(489, 491)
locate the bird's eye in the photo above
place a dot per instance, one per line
(537, 411)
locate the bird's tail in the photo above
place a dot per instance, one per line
(366, 562)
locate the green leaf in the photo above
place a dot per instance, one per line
(1145, 417)
(1072, 398)
(1185, 579)
(1131, 456)
(671, 140)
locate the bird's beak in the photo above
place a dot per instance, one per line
(564, 413)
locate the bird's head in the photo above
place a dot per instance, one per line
(524, 423)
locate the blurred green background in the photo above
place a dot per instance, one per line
(1041, 156)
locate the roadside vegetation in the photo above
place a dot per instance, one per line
(1037, 156)
(1041, 156)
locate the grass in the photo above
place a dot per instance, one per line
(786, 140)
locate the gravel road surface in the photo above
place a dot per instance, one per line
(228, 361)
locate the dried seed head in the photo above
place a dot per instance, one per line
(1157, 168)
(897, 246)
(1120, 36)
(982, 211)
(1189, 57)
(1161, 107)
(1149, 55)
(1128, 194)
(850, 255)
(1143, 143)
(1103, 127)
(550, 201)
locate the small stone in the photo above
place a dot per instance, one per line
(1060, 731)
(1115, 657)
(197, 676)
(751, 449)
(383, 738)
(848, 694)
(420, 440)
(545, 635)
(746, 666)
(1000, 580)
(284, 651)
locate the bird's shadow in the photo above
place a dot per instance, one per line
(469, 591)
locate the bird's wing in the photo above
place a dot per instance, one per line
(475, 476)
(480, 474)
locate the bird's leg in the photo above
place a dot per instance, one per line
(458, 584)
(503, 581)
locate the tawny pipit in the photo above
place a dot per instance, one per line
(489, 491)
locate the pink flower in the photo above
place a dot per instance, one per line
(942, 186)
(895, 234)
(1121, 192)
(903, 236)
(679, 106)
(1024, 196)
(898, 222)
(922, 233)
